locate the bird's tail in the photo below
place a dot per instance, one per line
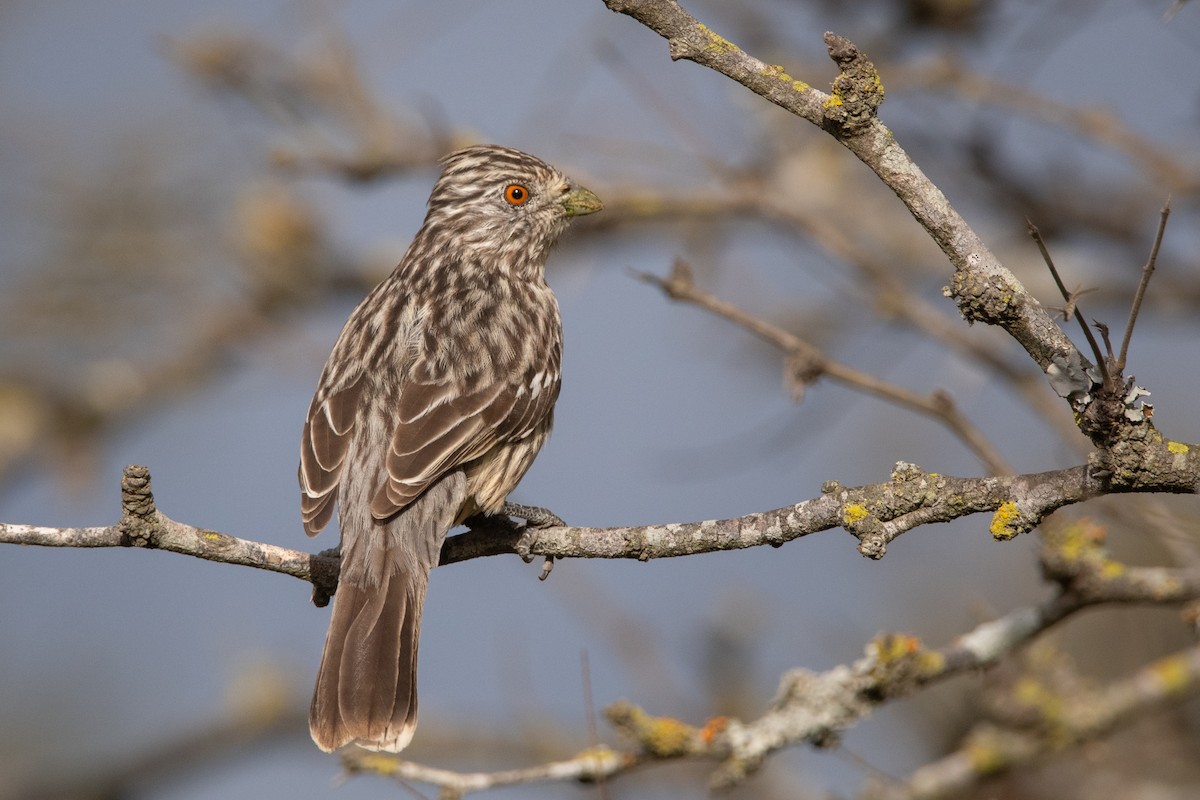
(366, 692)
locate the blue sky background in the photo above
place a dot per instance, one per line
(666, 414)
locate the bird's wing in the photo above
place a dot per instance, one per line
(439, 429)
(327, 433)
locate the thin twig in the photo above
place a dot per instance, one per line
(1071, 299)
(1098, 125)
(1147, 271)
(1077, 721)
(983, 289)
(938, 405)
(1103, 328)
(584, 767)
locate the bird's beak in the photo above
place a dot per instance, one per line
(580, 201)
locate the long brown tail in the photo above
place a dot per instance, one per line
(366, 692)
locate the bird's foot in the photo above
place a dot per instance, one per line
(324, 585)
(536, 518)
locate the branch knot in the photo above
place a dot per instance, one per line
(857, 91)
(982, 296)
(138, 513)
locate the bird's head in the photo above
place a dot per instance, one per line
(504, 208)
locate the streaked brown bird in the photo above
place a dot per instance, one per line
(434, 402)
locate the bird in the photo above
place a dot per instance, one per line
(434, 402)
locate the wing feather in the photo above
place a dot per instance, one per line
(326, 440)
(437, 426)
(441, 434)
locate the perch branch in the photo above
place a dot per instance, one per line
(875, 514)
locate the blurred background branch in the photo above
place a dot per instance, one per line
(195, 195)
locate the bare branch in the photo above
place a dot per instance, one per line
(991, 749)
(983, 288)
(875, 514)
(816, 708)
(1096, 124)
(807, 364)
(1147, 271)
(589, 766)
(1072, 301)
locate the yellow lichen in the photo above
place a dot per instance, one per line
(1035, 695)
(877, 84)
(1077, 540)
(716, 42)
(377, 763)
(1173, 674)
(893, 647)
(932, 662)
(901, 657)
(1004, 521)
(833, 101)
(854, 513)
(985, 755)
(1178, 448)
(776, 71)
(666, 737)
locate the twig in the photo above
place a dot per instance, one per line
(1071, 299)
(813, 708)
(991, 749)
(1147, 271)
(590, 765)
(809, 363)
(876, 514)
(1098, 125)
(983, 288)
(895, 298)
(142, 525)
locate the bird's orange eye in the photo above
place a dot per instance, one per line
(516, 194)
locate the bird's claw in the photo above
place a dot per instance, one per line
(525, 542)
(536, 518)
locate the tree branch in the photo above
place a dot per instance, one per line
(875, 514)
(991, 749)
(807, 364)
(816, 708)
(983, 288)
(589, 766)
